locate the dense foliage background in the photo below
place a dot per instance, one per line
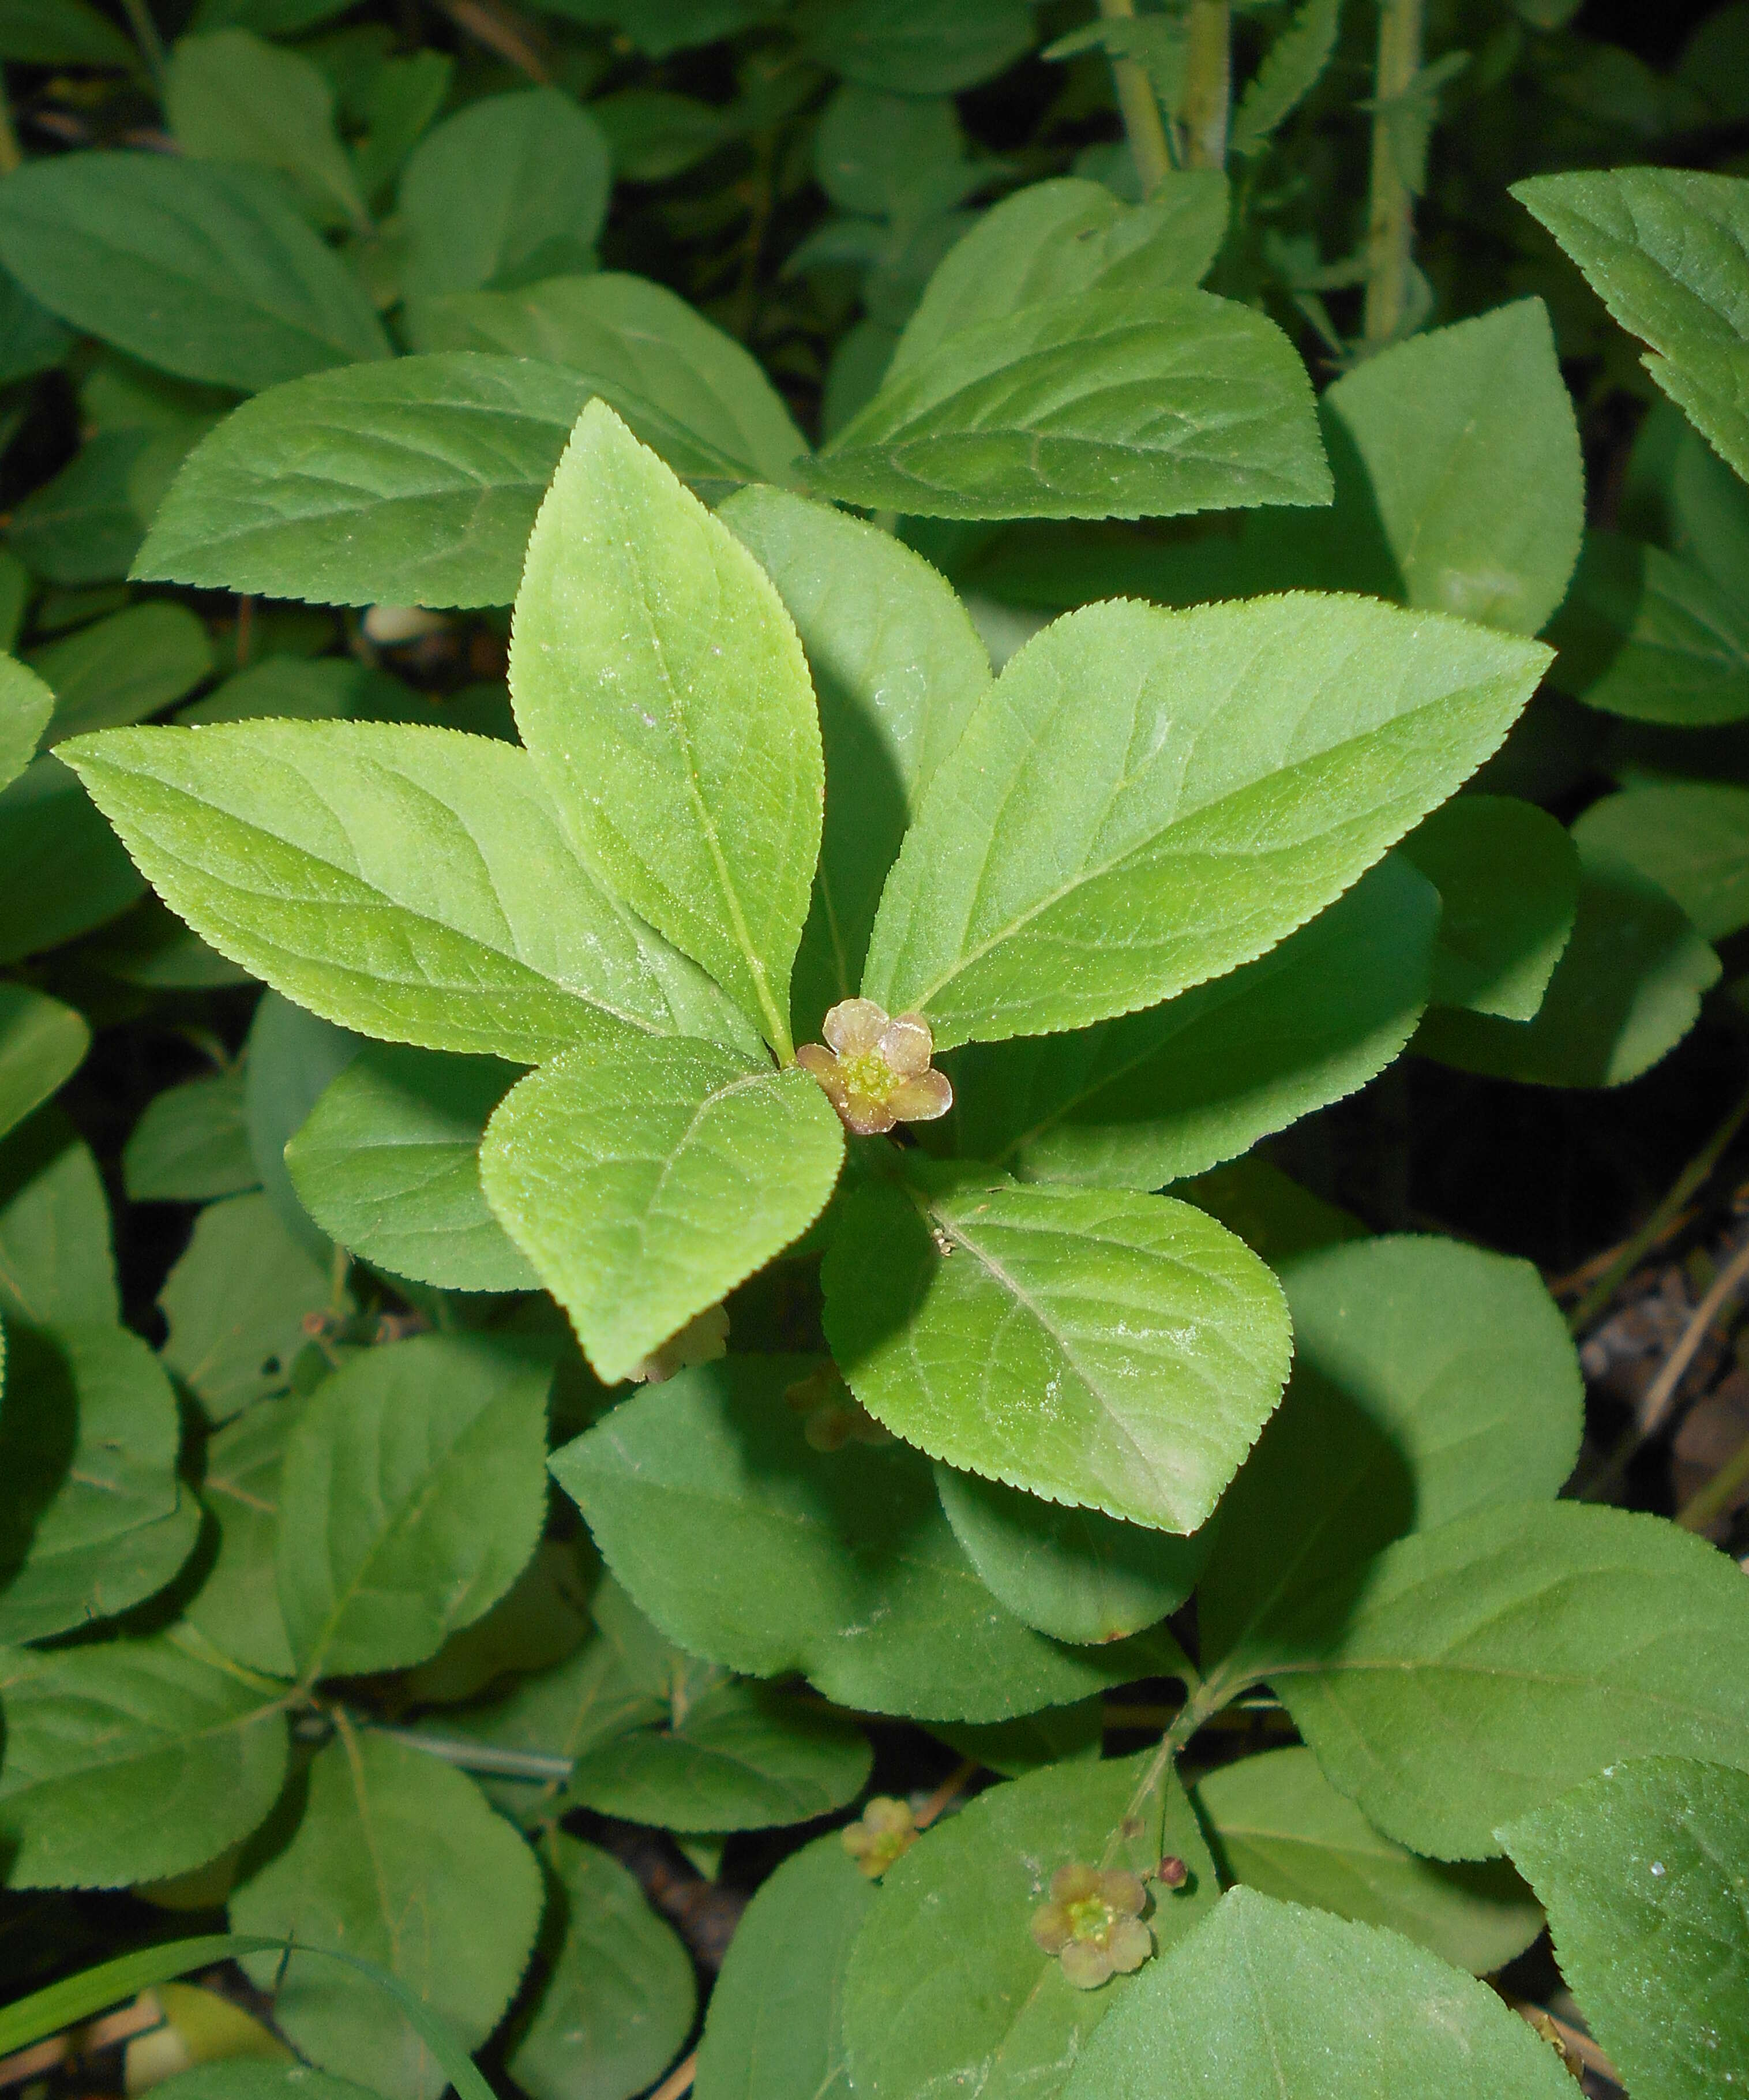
(281, 1381)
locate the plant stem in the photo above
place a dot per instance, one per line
(1208, 82)
(1390, 220)
(1706, 1505)
(1144, 126)
(10, 155)
(1191, 1716)
(139, 13)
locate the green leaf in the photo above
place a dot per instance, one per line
(399, 1859)
(644, 1182)
(61, 33)
(1055, 1735)
(661, 687)
(512, 188)
(689, 391)
(93, 1517)
(85, 526)
(230, 96)
(237, 1606)
(919, 46)
(1140, 1102)
(247, 2078)
(1097, 1348)
(1692, 840)
(1132, 400)
(237, 1303)
(1627, 990)
(190, 1144)
(1641, 1871)
(289, 1060)
(1271, 1998)
(1679, 493)
(130, 1760)
(42, 1044)
(410, 484)
(1431, 1380)
(121, 669)
(388, 1163)
(1066, 239)
(1652, 637)
(25, 706)
(413, 1493)
(773, 2030)
(1507, 878)
(66, 871)
(1471, 1674)
(1664, 249)
(57, 1262)
(617, 2002)
(750, 1547)
(742, 1758)
(1073, 1573)
(1292, 67)
(202, 270)
(947, 1989)
(407, 883)
(1278, 1826)
(898, 668)
(875, 152)
(541, 1620)
(1102, 838)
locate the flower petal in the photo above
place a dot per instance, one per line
(1051, 1927)
(854, 1025)
(866, 1117)
(1074, 1883)
(1122, 1893)
(907, 1042)
(922, 1099)
(1130, 1943)
(1085, 1964)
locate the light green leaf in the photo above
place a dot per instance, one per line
(61, 33)
(202, 270)
(121, 669)
(1431, 1379)
(258, 2078)
(397, 1859)
(1292, 67)
(684, 388)
(947, 1989)
(773, 2030)
(1507, 878)
(94, 1518)
(1278, 1826)
(66, 871)
(41, 1044)
(1642, 1872)
(1073, 1573)
(410, 484)
(920, 47)
(230, 96)
(237, 1303)
(1627, 990)
(237, 1606)
(644, 1181)
(1140, 1102)
(1664, 249)
(512, 188)
(1692, 840)
(617, 1999)
(190, 1144)
(289, 1058)
(130, 1760)
(751, 1548)
(412, 1496)
(742, 1758)
(1269, 1998)
(1097, 1348)
(57, 1262)
(898, 668)
(388, 1163)
(1652, 638)
(1147, 799)
(660, 686)
(26, 704)
(409, 882)
(1130, 401)
(1471, 1675)
(1066, 239)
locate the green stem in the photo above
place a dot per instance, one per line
(1710, 1503)
(1208, 82)
(10, 155)
(1391, 220)
(1144, 126)
(1202, 1705)
(146, 35)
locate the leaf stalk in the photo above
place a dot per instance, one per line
(1390, 219)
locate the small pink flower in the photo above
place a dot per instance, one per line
(875, 1071)
(1093, 1925)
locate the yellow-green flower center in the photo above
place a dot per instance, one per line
(866, 1073)
(1090, 1918)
